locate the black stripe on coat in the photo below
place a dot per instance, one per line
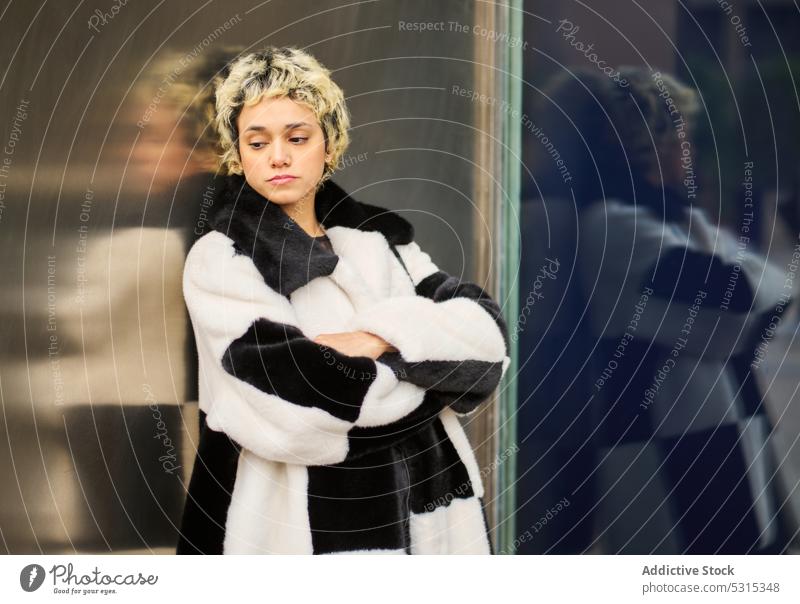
(366, 503)
(365, 440)
(209, 495)
(278, 359)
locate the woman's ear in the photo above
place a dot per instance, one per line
(328, 152)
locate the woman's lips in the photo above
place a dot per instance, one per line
(281, 180)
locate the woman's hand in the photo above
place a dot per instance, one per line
(356, 343)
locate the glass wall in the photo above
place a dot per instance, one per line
(657, 334)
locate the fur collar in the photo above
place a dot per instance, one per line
(283, 252)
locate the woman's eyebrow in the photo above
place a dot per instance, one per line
(290, 126)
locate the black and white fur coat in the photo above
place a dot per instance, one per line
(306, 450)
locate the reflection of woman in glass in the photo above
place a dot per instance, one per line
(678, 306)
(334, 356)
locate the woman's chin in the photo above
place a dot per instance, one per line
(281, 194)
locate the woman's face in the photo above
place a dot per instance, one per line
(279, 137)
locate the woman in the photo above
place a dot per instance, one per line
(334, 355)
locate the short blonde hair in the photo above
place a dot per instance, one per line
(276, 72)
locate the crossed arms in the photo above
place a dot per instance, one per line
(287, 398)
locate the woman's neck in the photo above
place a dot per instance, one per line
(302, 212)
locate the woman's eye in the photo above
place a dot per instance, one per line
(256, 145)
(296, 139)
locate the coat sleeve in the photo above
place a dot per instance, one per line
(451, 336)
(262, 381)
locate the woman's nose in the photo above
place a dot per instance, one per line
(280, 154)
